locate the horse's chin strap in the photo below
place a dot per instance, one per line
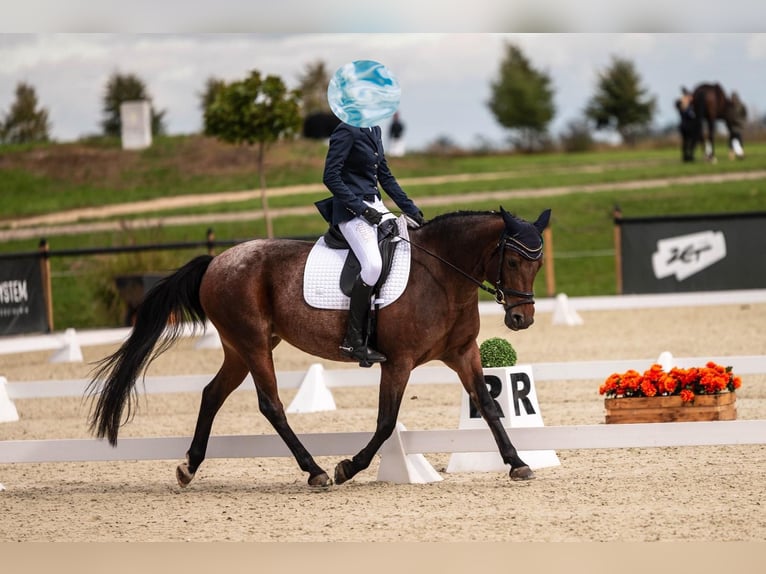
(498, 291)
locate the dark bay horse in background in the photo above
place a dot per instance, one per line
(253, 294)
(710, 104)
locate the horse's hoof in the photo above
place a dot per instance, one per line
(522, 473)
(183, 476)
(320, 481)
(343, 471)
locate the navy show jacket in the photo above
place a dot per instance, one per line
(354, 166)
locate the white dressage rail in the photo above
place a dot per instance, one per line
(564, 371)
(744, 432)
(55, 341)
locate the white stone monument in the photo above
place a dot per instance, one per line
(136, 120)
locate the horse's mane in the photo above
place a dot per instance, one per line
(457, 214)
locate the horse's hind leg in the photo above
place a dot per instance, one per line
(262, 369)
(229, 377)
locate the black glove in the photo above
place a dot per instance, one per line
(373, 216)
(418, 218)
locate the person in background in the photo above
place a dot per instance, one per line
(688, 126)
(396, 136)
(354, 167)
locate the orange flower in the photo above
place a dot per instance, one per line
(631, 382)
(647, 388)
(710, 380)
(667, 384)
(610, 385)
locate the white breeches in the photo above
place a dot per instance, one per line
(363, 239)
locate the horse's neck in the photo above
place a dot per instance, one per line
(465, 242)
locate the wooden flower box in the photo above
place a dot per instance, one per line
(720, 407)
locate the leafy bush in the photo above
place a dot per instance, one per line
(497, 352)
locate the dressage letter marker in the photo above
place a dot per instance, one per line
(513, 390)
(521, 392)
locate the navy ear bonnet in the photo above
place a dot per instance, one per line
(523, 237)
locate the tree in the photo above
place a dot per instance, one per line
(577, 137)
(126, 88)
(620, 102)
(206, 99)
(318, 120)
(24, 122)
(313, 87)
(522, 99)
(255, 111)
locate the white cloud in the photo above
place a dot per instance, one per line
(445, 77)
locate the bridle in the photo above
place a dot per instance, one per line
(498, 291)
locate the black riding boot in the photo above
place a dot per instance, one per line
(354, 344)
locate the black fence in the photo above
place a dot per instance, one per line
(686, 253)
(26, 297)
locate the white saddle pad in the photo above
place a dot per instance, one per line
(321, 277)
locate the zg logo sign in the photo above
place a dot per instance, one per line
(685, 255)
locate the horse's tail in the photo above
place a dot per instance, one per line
(172, 299)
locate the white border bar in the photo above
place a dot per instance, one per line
(578, 370)
(648, 435)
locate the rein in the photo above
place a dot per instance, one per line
(498, 291)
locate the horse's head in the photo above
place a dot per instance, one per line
(520, 258)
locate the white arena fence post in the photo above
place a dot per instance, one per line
(399, 466)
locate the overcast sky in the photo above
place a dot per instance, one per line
(445, 77)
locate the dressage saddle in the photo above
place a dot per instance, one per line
(388, 233)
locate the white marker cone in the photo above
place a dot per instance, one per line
(8, 412)
(563, 313)
(209, 339)
(665, 360)
(313, 395)
(70, 351)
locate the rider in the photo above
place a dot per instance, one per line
(354, 166)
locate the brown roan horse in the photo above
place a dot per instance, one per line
(253, 294)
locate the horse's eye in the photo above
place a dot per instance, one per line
(513, 264)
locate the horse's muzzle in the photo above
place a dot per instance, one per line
(517, 319)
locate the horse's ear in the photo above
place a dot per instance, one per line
(542, 221)
(507, 218)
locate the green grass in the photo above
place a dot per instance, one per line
(582, 224)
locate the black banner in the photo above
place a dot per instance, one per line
(22, 299)
(693, 253)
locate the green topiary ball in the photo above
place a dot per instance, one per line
(497, 352)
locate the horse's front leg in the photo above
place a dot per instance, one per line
(468, 368)
(393, 381)
(710, 141)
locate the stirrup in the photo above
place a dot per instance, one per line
(366, 356)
